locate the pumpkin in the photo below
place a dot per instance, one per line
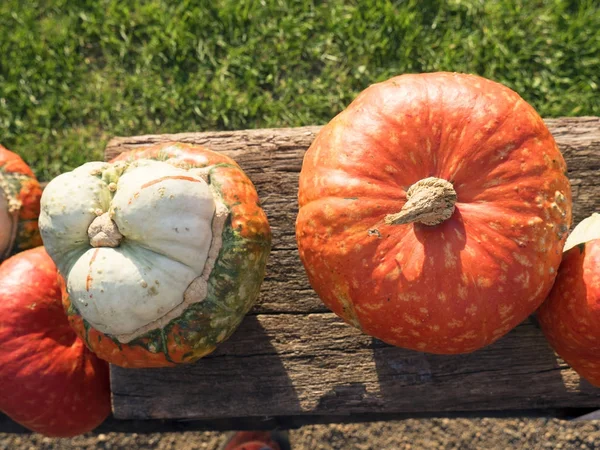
(433, 211)
(162, 251)
(51, 383)
(570, 317)
(20, 195)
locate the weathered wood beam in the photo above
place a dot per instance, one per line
(291, 357)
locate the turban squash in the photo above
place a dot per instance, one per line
(162, 252)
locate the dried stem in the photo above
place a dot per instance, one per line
(430, 201)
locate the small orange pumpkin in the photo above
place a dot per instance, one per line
(570, 317)
(50, 382)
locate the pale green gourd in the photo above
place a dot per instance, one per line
(130, 239)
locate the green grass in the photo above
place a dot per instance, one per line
(75, 73)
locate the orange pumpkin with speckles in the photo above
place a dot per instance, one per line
(570, 317)
(49, 382)
(433, 212)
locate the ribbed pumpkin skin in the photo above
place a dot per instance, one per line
(234, 283)
(570, 317)
(453, 287)
(49, 382)
(19, 183)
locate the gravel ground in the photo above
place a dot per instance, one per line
(410, 434)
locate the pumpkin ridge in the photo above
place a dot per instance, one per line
(361, 226)
(442, 146)
(486, 333)
(473, 184)
(481, 225)
(359, 168)
(438, 167)
(349, 192)
(481, 145)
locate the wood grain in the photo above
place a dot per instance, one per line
(292, 357)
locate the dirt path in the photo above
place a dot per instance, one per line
(412, 434)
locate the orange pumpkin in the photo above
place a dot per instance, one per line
(50, 382)
(20, 195)
(570, 317)
(433, 211)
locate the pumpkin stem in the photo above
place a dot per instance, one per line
(586, 230)
(103, 232)
(429, 201)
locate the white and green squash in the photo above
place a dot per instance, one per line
(162, 252)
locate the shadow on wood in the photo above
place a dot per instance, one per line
(520, 371)
(241, 378)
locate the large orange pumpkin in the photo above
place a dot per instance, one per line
(433, 211)
(20, 195)
(570, 317)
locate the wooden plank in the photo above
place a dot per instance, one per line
(315, 364)
(292, 357)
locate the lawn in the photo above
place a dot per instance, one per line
(75, 73)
